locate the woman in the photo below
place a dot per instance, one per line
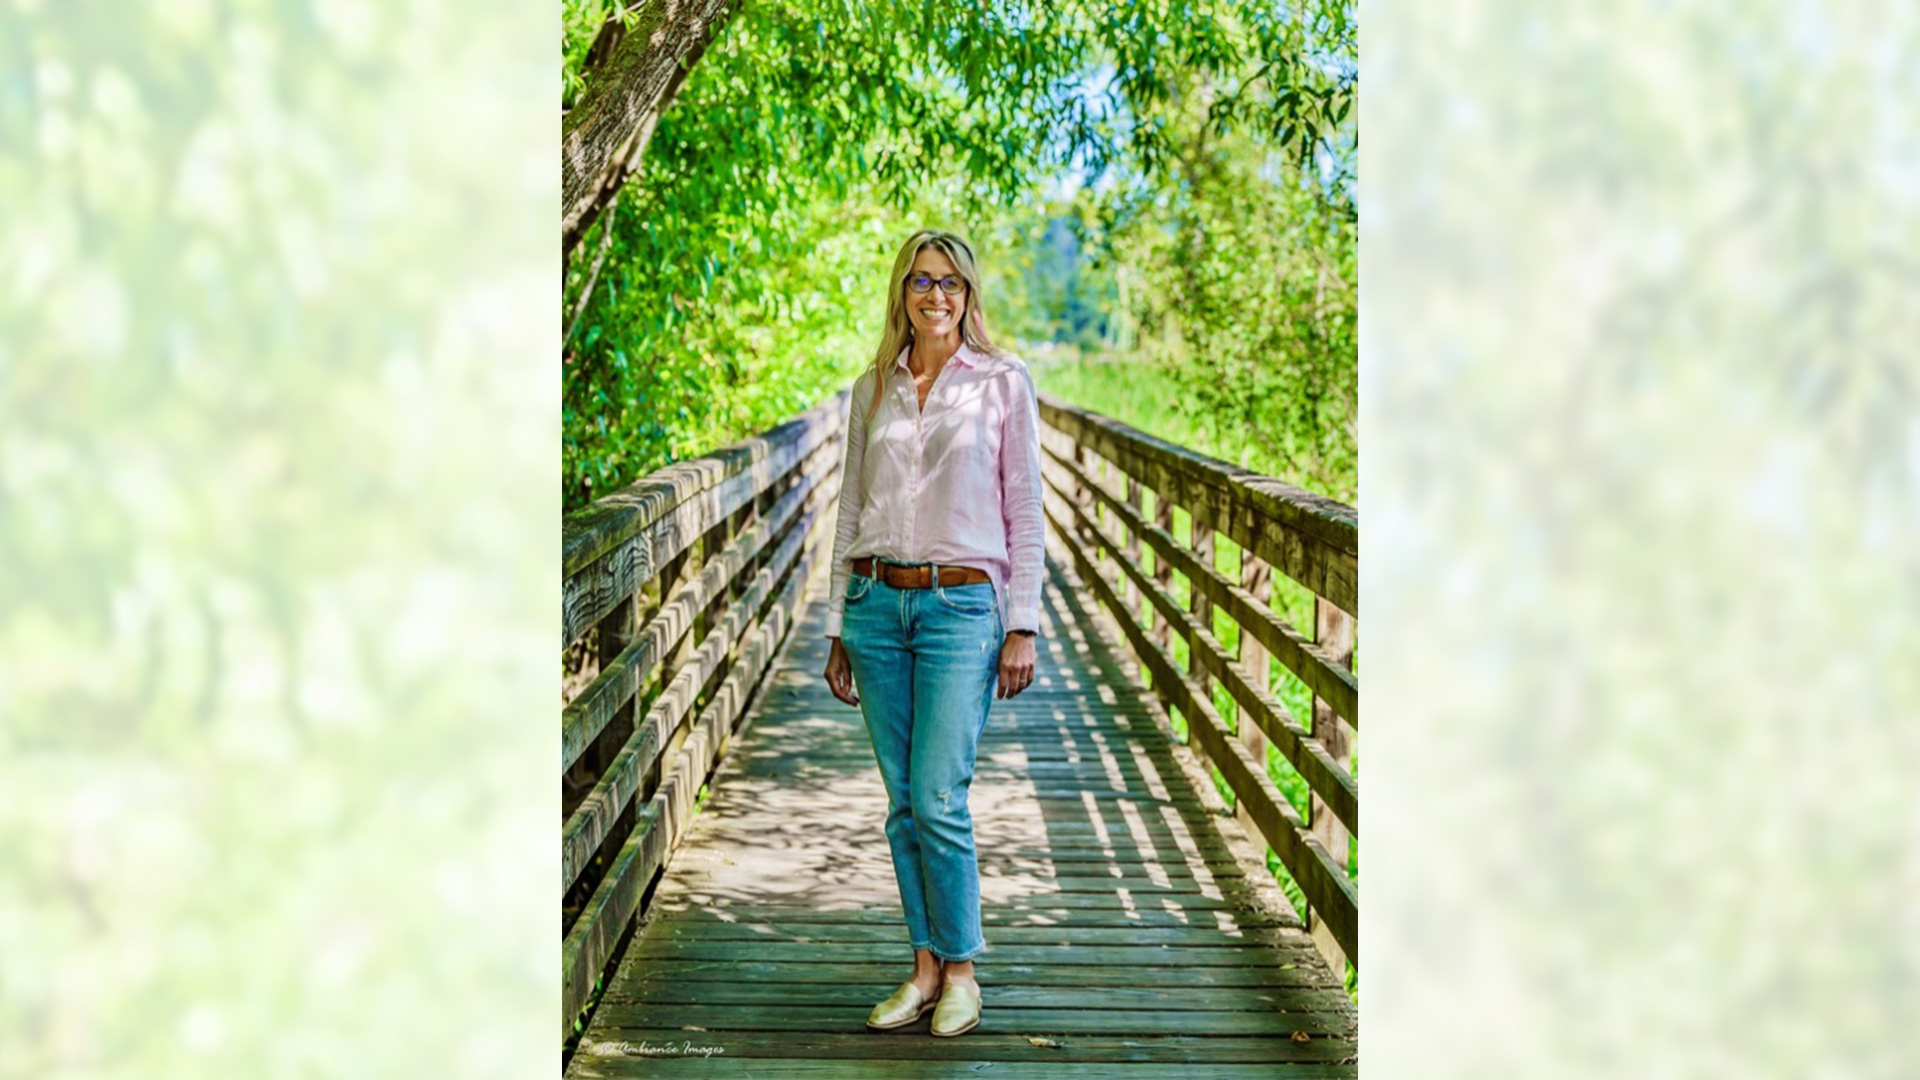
(937, 563)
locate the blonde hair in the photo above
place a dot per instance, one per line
(897, 334)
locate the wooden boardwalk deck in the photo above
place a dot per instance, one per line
(1129, 932)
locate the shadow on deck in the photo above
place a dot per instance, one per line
(1131, 930)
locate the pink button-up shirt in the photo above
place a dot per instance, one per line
(957, 484)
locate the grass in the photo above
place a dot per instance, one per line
(1148, 399)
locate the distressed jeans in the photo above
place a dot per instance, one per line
(925, 662)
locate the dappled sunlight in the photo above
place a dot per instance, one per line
(1102, 882)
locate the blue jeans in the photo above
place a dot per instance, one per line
(924, 663)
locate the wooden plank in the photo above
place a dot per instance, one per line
(1323, 673)
(1133, 502)
(1162, 569)
(1062, 914)
(1256, 579)
(1198, 909)
(1311, 538)
(999, 752)
(584, 951)
(1164, 872)
(593, 531)
(1323, 775)
(1210, 999)
(1067, 819)
(1329, 520)
(614, 903)
(1326, 887)
(1139, 883)
(622, 676)
(613, 546)
(678, 1061)
(1063, 851)
(1199, 611)
(722, 1021)
(983, 1044)
(1333, 629)
(1293, 969)
(773, 897)
(693, 929)
(1057, 776)
(653, 948)
(586, 829)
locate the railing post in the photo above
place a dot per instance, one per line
(1162, 570)
(757, 513)
(681, 567)
(1197, 602)
(1333, 630)
(1257, 578)
(1082, 497)
(684, 511)
(1132, 592)
(1200, 542)
(612, 633)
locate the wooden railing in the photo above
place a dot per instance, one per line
(676, 591)
(1096, 470)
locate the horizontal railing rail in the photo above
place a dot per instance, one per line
(1097, 473)
(677, 591)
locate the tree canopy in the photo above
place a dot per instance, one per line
(724, 247)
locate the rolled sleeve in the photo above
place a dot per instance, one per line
(1020, 502)
(853, 499)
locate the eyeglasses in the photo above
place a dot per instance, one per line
(921, 283)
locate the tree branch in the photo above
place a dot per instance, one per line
(593, 275)
(604, 137)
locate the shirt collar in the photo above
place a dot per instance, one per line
(964, 354)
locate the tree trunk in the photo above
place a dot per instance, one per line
(605, 135)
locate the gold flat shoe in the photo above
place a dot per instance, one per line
(905, 1006)
(958, 1010)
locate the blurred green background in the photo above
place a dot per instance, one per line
(276, 539)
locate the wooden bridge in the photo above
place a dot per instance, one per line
(728, 893)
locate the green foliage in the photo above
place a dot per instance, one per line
(1245, 286)
(1235, 282)
(741, 279)
(1160, 192)
(747, 254)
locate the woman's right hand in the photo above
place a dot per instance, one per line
(840, 674)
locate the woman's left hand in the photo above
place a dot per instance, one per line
(1016, 665)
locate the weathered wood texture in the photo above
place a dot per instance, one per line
(1328, 890)
(634, 74)
(623, 675)
(710, 559)
(1207, 657)
(584, 831)
(1310, 538)
(1331, 680)
(1313, 540)
(1333, 631)
(1130, 928)
(663, 820)
(1257, 579)
(611, 548)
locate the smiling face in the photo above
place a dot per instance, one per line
(933, 314)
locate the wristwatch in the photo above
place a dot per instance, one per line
(1025, 633)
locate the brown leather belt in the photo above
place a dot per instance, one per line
(918, 577)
